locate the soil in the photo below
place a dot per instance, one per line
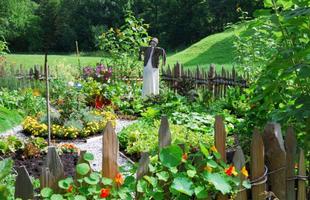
(34, 164)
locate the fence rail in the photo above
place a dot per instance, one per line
(272, 163)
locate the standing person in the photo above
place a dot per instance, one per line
(152, 55)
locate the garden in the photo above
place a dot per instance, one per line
(84, 132)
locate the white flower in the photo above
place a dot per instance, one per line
(71, 83)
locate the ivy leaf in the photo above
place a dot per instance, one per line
(219, 182)
(183, 185)
(171, 156)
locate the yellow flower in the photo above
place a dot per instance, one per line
(208, 168)
(244, 171)
(213, 148)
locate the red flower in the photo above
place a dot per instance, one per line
(184, 156)
(231, 171)
(70, 189)
(119, 180)
(99, 102)
(104, 192)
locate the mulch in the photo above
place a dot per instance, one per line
(35, 164)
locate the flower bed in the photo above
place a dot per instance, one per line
(33, 126)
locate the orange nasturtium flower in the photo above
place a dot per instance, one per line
(213, 148)
(208, 168)
(104, 192)
(244, 171)
(70, 189)
(119, 180)
(184, 156)
(231, 171)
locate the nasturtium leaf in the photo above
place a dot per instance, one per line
(219, 182)
(151, 180)
(82, 169)
(204, 150)
(5, 167)
(106, 181)
(88, 156)
(57, 197)
(79, 197)
(46, 192)
(201, 192)
(91, 181)
(183, 185)
(141, 186)
(191, 173)
(246, 184)
(171, 156)
(65, 183)
(212, 163)
(217, 155)
(163, 176)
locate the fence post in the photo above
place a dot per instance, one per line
(220, 143)
(211, 75)
(110, 148)
(276, 157)
(257, 166)
(239, 163)
(302, 193)
(290, 144)
(164, 134)
(23, 185)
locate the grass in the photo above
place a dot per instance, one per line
(9, 119)
(30, 60)
(215, 49)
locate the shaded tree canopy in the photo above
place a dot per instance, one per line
(36, 25)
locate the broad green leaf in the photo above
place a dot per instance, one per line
(88, 156)
(201, 192)
(246, 184)
(183, 185)
(163, 176)
(57, 197)
(219, 182)
(171, 156)
(191, 173)
(204, 150)
(5, 167)
(106, 181)
(82, 169)
(151, 180)
(79, 197)
(212, 163)
(46, 192)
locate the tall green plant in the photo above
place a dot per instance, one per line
(123, 43)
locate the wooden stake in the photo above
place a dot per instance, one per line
(290, 145)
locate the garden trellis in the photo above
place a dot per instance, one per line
(272, 163)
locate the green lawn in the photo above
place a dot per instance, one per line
(38, 59)
(217, 49)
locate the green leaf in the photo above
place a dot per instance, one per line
(201, 192)
(183, 185)
(191, 173)
(171, 156)
(151, 180)
(141, 186)
(163, 176)
(219, 182)
(217, 155)
(204, 150)
(212, 163)
(57, 197)
(246, 184)
(64, 184)
(5, 167)
(106, 181)
(88, 156)
(46, 192)
(82, 169)
(79, 197)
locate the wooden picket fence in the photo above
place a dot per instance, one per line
(273, 173)
(216, 82)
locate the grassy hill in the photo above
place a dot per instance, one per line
(217, 49)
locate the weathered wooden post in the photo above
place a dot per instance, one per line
(290, 145)
(110, 152)
(276, 159)
(211, 75)
(48, 110)
(220, 143)
(23, 185)
(164, 134)
(302, 192)
(258, 174)
(239, 163)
